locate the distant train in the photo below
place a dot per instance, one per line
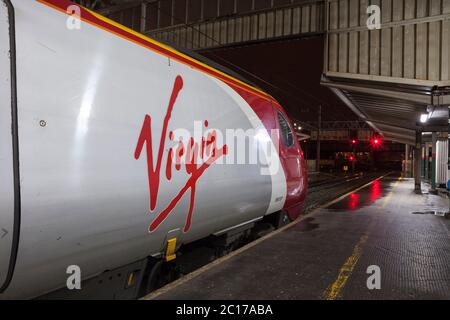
(102, 170)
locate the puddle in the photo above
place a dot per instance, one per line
(363, 198)
(306, 225)
(422, 212)
(436, 213)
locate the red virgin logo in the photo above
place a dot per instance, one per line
(186, 153)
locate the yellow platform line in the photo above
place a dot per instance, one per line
(334, 290)
(389, 195)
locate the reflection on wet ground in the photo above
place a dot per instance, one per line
(306, 225)
(364, 197)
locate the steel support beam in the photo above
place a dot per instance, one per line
(433, 162)
(407, 165)
(448, 160)
(417, 163)
(391, 94)
(319, 129)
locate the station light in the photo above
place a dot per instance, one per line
(424, 117)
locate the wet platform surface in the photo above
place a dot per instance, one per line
(328, 253)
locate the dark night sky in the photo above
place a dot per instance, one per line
(294, 67)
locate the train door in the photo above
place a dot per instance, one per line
(7, 109)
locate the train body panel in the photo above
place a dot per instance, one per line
(6, 148)
(98, 119)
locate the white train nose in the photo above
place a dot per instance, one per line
(8, 132)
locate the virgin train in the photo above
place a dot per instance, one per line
(103, 172)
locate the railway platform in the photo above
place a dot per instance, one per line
(381, 241)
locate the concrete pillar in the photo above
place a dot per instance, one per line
(417, 163)
(433, 162)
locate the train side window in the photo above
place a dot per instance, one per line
(286, 133)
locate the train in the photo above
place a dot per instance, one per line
(115, 153)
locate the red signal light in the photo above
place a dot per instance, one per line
(376, 142)
(351, 158)
(353, 141)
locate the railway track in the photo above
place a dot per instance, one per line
(330, 183)
(325, 190)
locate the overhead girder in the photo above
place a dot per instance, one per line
(393, 110)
